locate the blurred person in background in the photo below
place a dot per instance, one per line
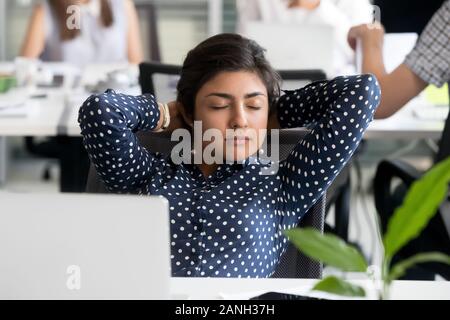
(339, 14)
(80, 33)
(108, 32)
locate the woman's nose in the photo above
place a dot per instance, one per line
(239, 117)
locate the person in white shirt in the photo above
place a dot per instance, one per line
(340, 14)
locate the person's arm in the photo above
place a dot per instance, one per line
(34, 41)
(135, 54)
(397, 87)
(304, 4)
(108, 125)
(337, 112)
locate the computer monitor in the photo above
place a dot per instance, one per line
(294, 46)
(55, 246)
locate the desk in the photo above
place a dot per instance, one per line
(405, 125)
(56, 112)
(56, 115)
(51, 114)
(213, 288)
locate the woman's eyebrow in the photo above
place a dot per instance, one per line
(230, 97)
(220, 95)
(254, 94)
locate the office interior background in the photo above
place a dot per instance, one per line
(180, 25)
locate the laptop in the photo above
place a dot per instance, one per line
(293, 46)
(67, 246)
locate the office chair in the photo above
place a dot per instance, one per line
(293, 263)
(387, 200)
(45, 149)
(340, 190)
(67, 152)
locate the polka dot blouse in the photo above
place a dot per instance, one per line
(230, 223)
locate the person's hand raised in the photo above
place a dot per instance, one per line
(304, 4)
(370, 35)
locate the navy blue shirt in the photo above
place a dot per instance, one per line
(230, 223)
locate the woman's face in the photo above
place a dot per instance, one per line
(236, 104)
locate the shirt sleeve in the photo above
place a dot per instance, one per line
(108, 125)
(337, 112)
(430, 58)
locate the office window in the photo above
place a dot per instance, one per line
(14, 16)
(181, 24)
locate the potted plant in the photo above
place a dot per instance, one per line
(407, 222)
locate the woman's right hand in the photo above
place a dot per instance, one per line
(176, 119)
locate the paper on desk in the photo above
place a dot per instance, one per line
(431, 113)
(14, 105)
(437, 96)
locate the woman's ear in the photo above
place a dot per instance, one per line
(188, 118)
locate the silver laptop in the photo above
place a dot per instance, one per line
(84, 247)
(293, 46)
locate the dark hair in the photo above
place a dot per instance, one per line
(59, 9)
(224, 52)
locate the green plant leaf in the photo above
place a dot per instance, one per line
(338, 286)
(419, 206)
(400, 268)
(327, 248)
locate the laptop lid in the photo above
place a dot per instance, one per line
(84, 247)
(294, 46)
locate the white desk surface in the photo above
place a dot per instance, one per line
(220, 288)
(43, 119)
(405, 125)
(57, 114)
(49, 114)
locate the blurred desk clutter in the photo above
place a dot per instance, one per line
(44, 102)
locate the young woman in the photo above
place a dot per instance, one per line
(107, 32)
(227, 219)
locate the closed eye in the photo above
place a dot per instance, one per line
(218, 107)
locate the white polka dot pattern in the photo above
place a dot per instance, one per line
(230, 224)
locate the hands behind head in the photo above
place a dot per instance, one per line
(177, 120)
(370, 34)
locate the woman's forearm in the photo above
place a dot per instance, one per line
(108, 125)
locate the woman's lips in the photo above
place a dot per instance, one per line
(239, 140)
